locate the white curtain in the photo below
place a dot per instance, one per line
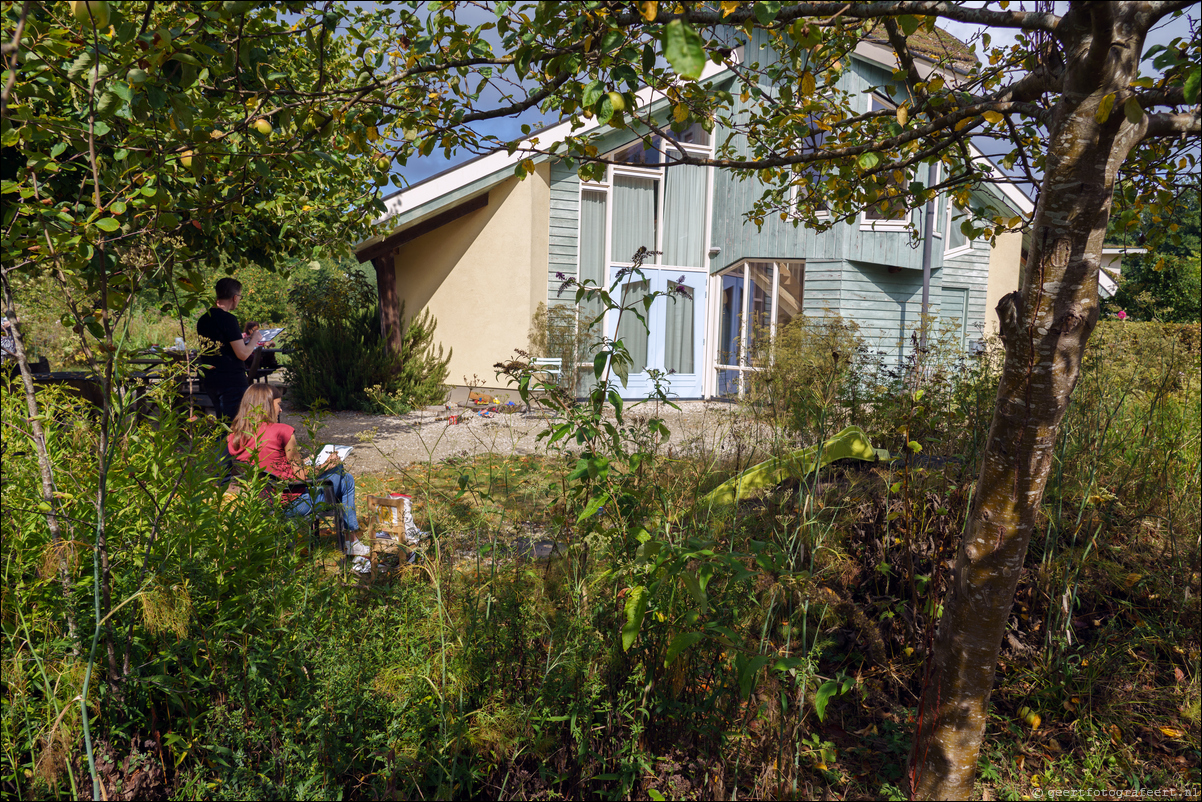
(631, 331)
(678, 338)
(684, 216)
(635, 216)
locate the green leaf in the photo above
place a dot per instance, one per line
(594, 504)
(648, 57)
(825, 692)
(693, 585)
(637, 599)
(1193, 85)
(592, 93)
(684, 49)
(1132, 111)
(909, 24)
(748, 669)
(868, 160)
(599, 365)
(681, 642)
(766, 11)
(107, 224)
(605, 110)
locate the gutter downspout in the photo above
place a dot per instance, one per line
(928, 231)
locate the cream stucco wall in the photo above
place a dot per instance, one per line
(482, 276)
(1005, 264)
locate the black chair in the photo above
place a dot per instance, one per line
(326, 507)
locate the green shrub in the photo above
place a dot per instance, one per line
(804, 371)
(347, 364)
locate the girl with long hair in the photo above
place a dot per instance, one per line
(258, 435)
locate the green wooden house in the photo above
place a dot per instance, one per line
(482, 250)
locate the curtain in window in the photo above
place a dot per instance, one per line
(678, 337)
(684, 216)
(631, 330)
(634, 216)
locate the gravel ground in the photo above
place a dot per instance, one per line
(385, 443)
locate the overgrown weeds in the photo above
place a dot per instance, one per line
(771, 648)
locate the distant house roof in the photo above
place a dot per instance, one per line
(937, 45)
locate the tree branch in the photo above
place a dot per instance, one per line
(1173, 124)
(1026, 20)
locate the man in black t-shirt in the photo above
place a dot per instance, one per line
(224, 369)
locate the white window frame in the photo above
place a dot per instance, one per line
(658, 172)
(966, 247)
(713, 366)
(903, 222)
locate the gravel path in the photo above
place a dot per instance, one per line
(384, 443)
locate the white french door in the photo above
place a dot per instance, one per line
(673, 339)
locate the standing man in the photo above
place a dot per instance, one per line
(225, 370)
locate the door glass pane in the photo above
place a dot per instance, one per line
(631, 330)
(684, 216)
(728, 382)
(759, 307)
(732, 313)
(789, 294)
(679, 320)
(635, 216)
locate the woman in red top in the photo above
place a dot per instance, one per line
(258, 435)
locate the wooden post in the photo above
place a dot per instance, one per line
(390, 306)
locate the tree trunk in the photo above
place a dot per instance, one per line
(1045, 325)
(390, 307)
(47, 470)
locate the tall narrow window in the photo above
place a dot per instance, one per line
(684, 216)
(956, 241)
(679, 327)
(635, 216)
(632, 331)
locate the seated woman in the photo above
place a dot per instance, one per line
(258, 435)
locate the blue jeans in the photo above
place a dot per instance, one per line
(344, 496)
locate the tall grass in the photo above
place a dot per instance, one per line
(779, 646)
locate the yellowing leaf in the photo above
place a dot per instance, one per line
(680, 112)
(729, 7)
(993, 117)
(966, 121)
(1132, 579)
(808, 84)
(649, 9)
(1104, 108)
(903, 115)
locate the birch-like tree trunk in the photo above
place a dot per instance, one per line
(1046, 324)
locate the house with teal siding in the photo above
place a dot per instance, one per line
(482, 249)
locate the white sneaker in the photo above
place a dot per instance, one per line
(355, 548)
(361, 565)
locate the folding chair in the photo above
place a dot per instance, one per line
(326, 507)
